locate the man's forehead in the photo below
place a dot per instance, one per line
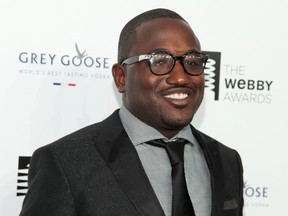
(156, 29)
(162, 33)
(160, 21)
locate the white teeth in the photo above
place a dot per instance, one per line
(177, 96)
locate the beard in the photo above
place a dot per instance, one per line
(175, 124)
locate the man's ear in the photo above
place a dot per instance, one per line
(118, 72)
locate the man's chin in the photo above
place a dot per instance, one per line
(176, 124)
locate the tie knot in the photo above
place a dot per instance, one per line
(175, 149)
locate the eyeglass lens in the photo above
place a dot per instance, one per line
(163, 63)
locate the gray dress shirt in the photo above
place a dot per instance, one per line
(158, 169)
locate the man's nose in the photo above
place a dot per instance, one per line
(177, 76)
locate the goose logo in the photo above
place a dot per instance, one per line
(256, 195)
(65, 69)
(212, 73)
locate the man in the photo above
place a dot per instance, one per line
(111, 168)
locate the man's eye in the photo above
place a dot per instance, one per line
(192, 63)
(159, 60)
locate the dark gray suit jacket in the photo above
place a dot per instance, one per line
(96, 171)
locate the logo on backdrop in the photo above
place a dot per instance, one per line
(237, 83)
(22, 180)
(256, 195)
(212, 73)
(61, 67)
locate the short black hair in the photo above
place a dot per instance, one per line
(127, 35)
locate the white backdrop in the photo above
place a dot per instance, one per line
(46, 92)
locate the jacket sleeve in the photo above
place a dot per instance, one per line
(233, 171)
(48, 188)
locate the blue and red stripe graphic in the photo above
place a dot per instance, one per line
(64, 84)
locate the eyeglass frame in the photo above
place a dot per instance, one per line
(139, 58)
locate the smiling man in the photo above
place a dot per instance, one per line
(146, 158)
(162, 91)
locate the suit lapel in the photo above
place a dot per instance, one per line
(212, 156)
(122, 158)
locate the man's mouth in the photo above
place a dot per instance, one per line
(177, 96)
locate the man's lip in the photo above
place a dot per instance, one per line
(183, 96)
(177, 96)
(177, 90)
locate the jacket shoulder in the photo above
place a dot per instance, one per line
(87, 134)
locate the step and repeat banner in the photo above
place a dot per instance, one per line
(55, 69)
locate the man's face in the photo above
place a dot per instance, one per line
(167, 102)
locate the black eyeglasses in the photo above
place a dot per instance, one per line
(162, 62)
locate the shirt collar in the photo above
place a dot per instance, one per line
(139, 132)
